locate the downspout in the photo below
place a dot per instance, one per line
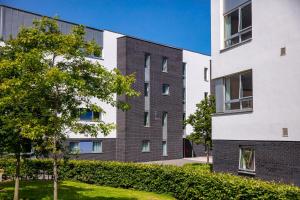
(1, 22)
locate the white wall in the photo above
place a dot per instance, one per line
(276, 79)
(195, 83)
(109, 61)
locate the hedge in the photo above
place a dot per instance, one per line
(181, 182)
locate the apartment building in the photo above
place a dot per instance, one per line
(255, 60)
(171, 81)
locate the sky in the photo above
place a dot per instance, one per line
(180, 23)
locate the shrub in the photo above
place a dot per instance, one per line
(182, 182)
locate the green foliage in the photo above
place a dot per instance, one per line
(199, 166)
(45, 77)
(201, 121)
(181, 182)
(71, 190)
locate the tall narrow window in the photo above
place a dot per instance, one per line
(165, 65)
(205, 74)
(146, 146)
(165, 149)
(238, 25)
(164, 119)
(183, 69)
(97, 147)
(183, 94)
(146, 119)
(205, 94)
(247, 159)
(147, 60)
(146, 89)
(165, 89)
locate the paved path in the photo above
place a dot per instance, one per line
(181, 162)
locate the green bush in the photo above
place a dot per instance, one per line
(182, 182)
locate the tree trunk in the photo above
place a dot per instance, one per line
(17, 179)
(207, 154)
(55, 175)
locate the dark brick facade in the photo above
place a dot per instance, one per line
(130, 125)
(108, 149)
(274, 160)
(191, 148)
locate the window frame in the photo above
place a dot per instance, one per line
(101, 146)
(146, 120)
(168, 89)
(163, 67)
(75, 151)
(164, 153)
(250, 171)
(240, 99)
(146, 89)
(240, 30)
(93, 116)
(149, 145)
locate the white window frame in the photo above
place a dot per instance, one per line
(240, 99)
(167, 92)
(240, 158)
(101, 147)
(148, 145)
(240, 31)
(164, 67)
(165, 153)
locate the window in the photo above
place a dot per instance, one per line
(238, 91)
(146, 89)
(183, 94)
(164, 147)
(164, 119)
(88, 115)
(146, 146)
(74, 147)
(165, 89)
(146, 119)
(205, 94)
(97, 147)
(165, 65)
(205, 74)
(247, 159)
(183, 69)
(147, 61)
(238, 25)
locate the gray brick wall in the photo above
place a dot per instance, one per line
(130, 127)
(275, 160)
(108, 150)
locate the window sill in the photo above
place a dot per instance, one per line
(145, 151)
(246, 172)
(235, 45)
(233, 112)
(166, 94)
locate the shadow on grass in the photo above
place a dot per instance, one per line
(44, 190)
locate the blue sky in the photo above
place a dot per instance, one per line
(179, 23)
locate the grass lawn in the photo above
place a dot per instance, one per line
(75, 190)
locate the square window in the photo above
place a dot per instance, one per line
(165, 65)
(165, 149)
(146, 119)
(97, 147)
(88, 115)
(74, 147)
(165, 89)
(247, 159)
(146, 146)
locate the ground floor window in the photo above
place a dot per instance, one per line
(247, 159)
(74, 147)
(164, 146)
(146, 146)
(97, 147)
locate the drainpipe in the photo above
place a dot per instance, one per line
(1, 22)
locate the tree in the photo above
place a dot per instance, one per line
(58, 79)
(201, 123)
